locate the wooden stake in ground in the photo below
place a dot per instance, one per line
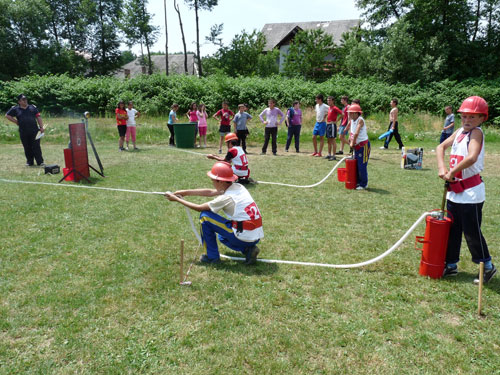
(480, 292)
(181, 266)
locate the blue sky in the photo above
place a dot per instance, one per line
(238, 15)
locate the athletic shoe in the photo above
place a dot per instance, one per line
(41, 165)
(251, 255)
(383, 148)
(314, 154)
(275, 154)
(136, 148)
(328, 157)
(297, 151)
(450, 271)
(486, 276)
(126, 148)
(263, 153)
(332, 158)
(220, 151)
(339, 153)
(286, 150)
(28, 165)
(360, 187)
(318, 155)
(205, 259)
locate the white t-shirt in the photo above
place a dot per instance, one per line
(131, 116)
(321, 112)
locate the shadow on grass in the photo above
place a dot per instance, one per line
(468, 278)
(239, 267)
(378, 191)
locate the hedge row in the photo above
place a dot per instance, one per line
(60, 94)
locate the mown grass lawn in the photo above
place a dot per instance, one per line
(89, 279)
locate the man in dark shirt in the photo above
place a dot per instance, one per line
(27, 118)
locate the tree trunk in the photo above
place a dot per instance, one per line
(166, 37)
(176, 6)
(198, 56)
(146, 39)
(394, 9)
(476, 23)
(103, 43)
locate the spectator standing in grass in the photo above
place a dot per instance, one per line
(172, 119)
(121, 123)
(449, 124)
(240, 125)
(393, 125)
(320, 126)
(242, 229)
(360, 144)
(294, 123)
(132, 114)
(271, 115)
(331, 127)
(466, 193)
(202, 123)
(344, 125)
(29, 122)
(224, 115)
(193, 118)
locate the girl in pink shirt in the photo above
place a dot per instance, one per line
(193, 117)
(202, 123)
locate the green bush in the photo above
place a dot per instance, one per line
(60, 94)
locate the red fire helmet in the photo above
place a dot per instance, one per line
(222, 171)
(230, 137)
(474, 105)
(354, 108)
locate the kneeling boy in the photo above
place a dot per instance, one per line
(243, 228)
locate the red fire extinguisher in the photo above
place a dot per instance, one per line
(435, 242)
(351, 172)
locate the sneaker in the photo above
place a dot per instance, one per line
(450, 271)
(286, 150)
(486, 276)
(327, 157)
(121, 149)
(297, 151)
(136, 148)
(360, 187)
(318, 155)
(275, 154)
(332, 158)
(314, 154)
(383, 148)
(262, 153)
(220, 151)
(339, 153)
(126, 148)
(251, 255)
(28, 165)
(205, 259)
(41, 165)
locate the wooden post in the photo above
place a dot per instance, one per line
(480, 292)
(181, 273)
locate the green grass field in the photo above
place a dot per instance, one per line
(89, 279)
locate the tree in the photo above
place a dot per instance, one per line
(166, 37)
(176, 7)
(214, 35)
(245, 56)
(200, 5)
(136, 24)
(307, 54)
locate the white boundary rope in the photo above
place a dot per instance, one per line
(279, 183)
(198, 237)
(326, 265)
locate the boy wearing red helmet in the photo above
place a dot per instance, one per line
(237, 157)
(243, 228)
(360, 144)
(466, 193)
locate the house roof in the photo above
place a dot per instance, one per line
(275, 33)
(175, 65)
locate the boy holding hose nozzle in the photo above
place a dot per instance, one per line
(466, 193)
